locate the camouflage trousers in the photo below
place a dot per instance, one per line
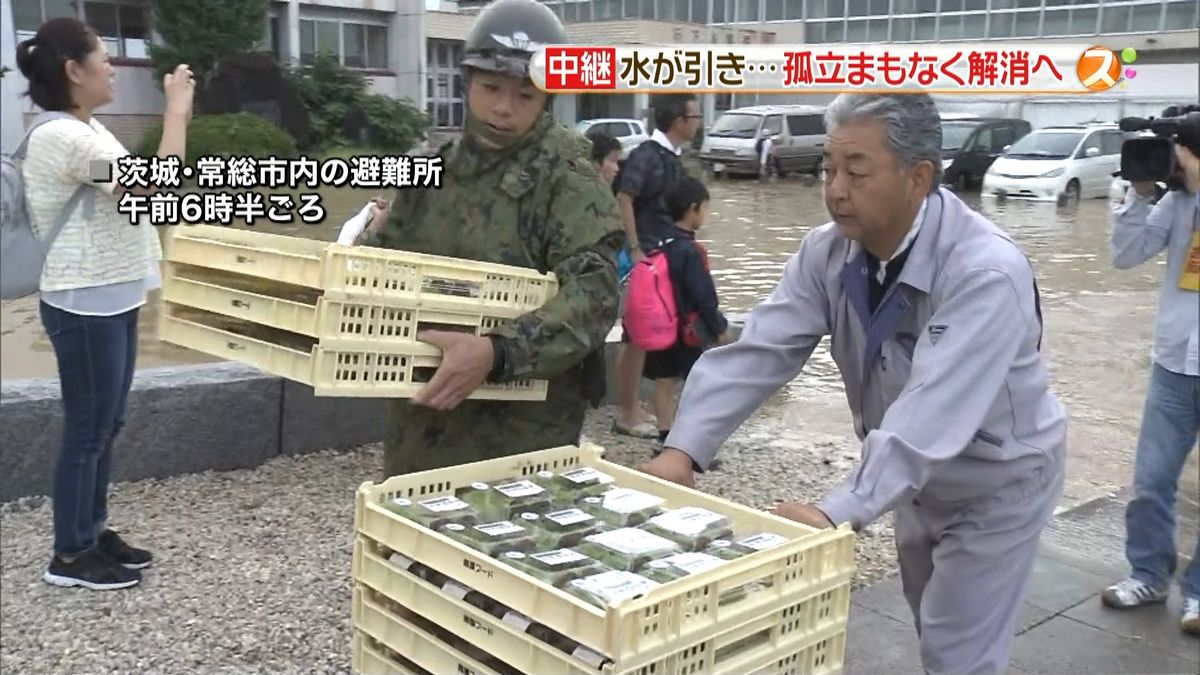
(420, 439)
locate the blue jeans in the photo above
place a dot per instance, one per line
(96, 356)
(1170, 428)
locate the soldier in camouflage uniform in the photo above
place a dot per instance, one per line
(518, 189)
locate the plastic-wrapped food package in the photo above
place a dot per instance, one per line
(682, 565)
(506, 499)
(610, 588)
(627, 548)
(759, 542)
(568, 487)
(691, 527)
(563, 529)
(492, 538)
(725, 550)
(623, 507)
(553, 567)
(435, 512)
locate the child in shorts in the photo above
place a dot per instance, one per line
(701, 323)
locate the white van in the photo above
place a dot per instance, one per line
(1060, 162)
(797, 132)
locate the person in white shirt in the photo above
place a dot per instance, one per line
(96, 276)
(648, 173)
(1141, 230)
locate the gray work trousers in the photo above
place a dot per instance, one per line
(966, 566)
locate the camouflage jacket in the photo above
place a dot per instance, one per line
(540, 204)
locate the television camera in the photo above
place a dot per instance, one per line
(1152, 158)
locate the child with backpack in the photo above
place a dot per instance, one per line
(672, 309)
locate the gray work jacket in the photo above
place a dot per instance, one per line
(946, 380)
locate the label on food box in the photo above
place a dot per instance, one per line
(500, 529)
(455, 527)
(517, 620)
(401, 501)
(720, 543)
(615, 585)
(626, 501)
(403, 562)
(529, 516)
(514, 555)
(480, 486)
(693, 562)
(587, 475)
(588, 656)
(762, 542)
(631, 541)
(455, 590)
(569, 517)
(689, 520)
(563, 556)
(443, 504)
(521, 488)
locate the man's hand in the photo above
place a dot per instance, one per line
(803, 513)
(671, 465)
(1191, 168)
(466, 362)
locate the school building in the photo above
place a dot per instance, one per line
(410, 49)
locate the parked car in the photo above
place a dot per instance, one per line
(797, 132)
(630, 132)
(1059, 162)
(970, 145)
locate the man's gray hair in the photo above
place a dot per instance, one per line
(914, 127)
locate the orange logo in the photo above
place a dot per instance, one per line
(1098, 68)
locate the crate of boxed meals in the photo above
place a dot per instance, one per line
(559, 561)
(275, 302)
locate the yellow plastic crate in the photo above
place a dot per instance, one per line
(369, 656)
(342, 323)
(381, 275)
(761, 643)
(641, 631)
(394, 371)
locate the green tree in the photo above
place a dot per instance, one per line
(335, 95)
(200, 34)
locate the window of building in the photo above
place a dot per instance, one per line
(1146, 18)
(1026, 24)
(356, 45)
(443, 83)
(122, 27)
(1182, 16)
(926, 28)
(29, 15)
(774, 10)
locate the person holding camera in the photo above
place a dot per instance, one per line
(1143, 227)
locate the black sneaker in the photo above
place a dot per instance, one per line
(111, 545)
(93, 570)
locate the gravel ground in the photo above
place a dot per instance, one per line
(252, 568)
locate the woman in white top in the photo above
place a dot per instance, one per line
(96, 278)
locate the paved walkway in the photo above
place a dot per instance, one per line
(1064, 629)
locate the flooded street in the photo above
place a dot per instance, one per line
(1099, 321)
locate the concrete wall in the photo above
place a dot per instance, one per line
(190, 419)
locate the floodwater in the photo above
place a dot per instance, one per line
(1099, 320)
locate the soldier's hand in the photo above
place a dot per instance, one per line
(671, 465)
(466, 362)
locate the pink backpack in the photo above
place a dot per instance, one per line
(651, 318)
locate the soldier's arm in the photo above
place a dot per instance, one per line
(585, 234)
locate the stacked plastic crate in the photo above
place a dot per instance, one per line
(341, 319)
(425, 602)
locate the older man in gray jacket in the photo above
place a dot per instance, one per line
(935, 324)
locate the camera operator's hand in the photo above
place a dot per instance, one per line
(1191, 168)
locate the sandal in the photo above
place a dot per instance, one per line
(643, 430)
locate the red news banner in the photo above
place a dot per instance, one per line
(985, 68)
